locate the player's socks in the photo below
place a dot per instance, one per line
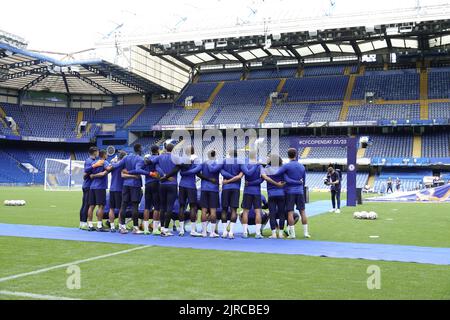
(281, 234)
(291, 232)
(99, 224)
(90, 224)
(204, 225)
(181, 226)
(258, 228)
(146, 228)
(213, 234)
(305, 231)
(274, 234)
(232, 227)
(245, 226)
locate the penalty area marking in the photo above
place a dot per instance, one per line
(21, 275)
(33, 295)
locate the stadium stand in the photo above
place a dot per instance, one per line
(436, 145)
(395, 146)
(388, 85)
(199, 91)
(178, 115)
(316, 89)
(410, 179)
(314, 71)
(439, 83)
(118, 115)
(301, 112)
(272, 73)
(439, 110)
(314, 180)
(384, 112)
(220, 76)
(151, 115)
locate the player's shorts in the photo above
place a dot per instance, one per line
(152, 200)
(209, 199)
(115, 199)
(252, 219)
(277, 205)
(295, 200)
(168, 196)
(230, 198)
(131, 194)
(97, 197)
(187, 195)
(251, 201)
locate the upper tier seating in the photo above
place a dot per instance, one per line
(272, 73)
(118, 115)
(392, 146)
(200, 92)
(220, 76)
(150, 116)
(384, 112)
(323, 70)
(304, 112)
(388, 86)
(178, 115)
(439, 110)
(438, 83)
(316, 89)
(436, 145)
(246, 92)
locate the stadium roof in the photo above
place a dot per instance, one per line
(25, 70)
(384, 31)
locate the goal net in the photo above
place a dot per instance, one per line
(63, 175)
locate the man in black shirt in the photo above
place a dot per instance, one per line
(334, 181)
(389, 185)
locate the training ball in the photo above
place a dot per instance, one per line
(356, 214)
(372, 215)
(364, 214)
(5, 202)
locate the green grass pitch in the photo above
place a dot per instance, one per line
(209, 274)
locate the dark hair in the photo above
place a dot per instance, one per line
(137, 147)
(154, 149)
(122, 155)
(212, 154)
(292, 153)
(92, 150)
(102, 153)
(169, 147)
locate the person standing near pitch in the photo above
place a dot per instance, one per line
(295, 177)
(334, 181)
(115, 189)
(87, 181)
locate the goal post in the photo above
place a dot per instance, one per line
(63, 175)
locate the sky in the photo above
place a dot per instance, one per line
(70, 26)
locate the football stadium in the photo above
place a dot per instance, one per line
(226, 150)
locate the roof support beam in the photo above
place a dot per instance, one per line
(20, 64)
(90, 82)
(35, 81)
(234, 54)
(294, 52)
(182, 60)
(26, 73)
(65, 83)
(117, 79)
(356, 48)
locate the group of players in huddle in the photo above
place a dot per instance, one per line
(285, 188)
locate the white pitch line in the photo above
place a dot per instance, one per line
(33, 295)
(21, 275)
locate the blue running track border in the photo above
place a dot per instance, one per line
(386, 252)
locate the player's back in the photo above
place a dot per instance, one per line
(131, 162)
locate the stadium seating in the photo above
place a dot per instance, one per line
(316, 89)
(306, 112)
(150, 116)
(392, 146)
(118, 115)
(272, 73)
(178, 115)
(314, 71)
(199, 91)
(384, 112)
(394, 85)
(220, 76)
(438, 83)
(436, 145)
(314, 180)
(439, 110)
(246, 92)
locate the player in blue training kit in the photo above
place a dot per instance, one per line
(152, 203)
(132, 187)
(294, 176)
(167, 166)
(209, 198)
(97, 192)
(187, 193)
(93, 155)
(252, 194)
(275, 190)
(115, 188)
(231, 191)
